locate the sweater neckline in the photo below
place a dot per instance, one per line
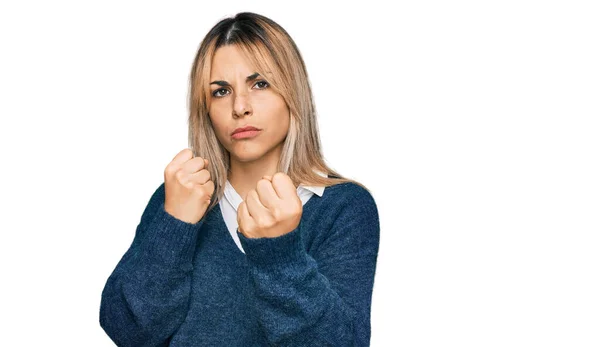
(222, 226)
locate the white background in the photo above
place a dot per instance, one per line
(474, 124)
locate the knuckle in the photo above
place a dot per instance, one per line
(169, 170)
(263, 183)
(180, 175)
(205, 190)
(207, 174)
(278, 214)
(279, 175)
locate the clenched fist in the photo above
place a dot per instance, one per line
(270, 210)
(188, 187)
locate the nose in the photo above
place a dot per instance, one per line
(241, 106)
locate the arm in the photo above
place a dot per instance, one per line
(325, 299)
(146, 298)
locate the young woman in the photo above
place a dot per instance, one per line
(252, 240)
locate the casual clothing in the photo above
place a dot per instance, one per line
(183, 284)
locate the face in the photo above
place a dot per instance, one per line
(240, 97)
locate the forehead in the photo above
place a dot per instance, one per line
(230, 61)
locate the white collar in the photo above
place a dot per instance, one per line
(315, 189)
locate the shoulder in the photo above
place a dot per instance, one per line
(348, 222)
(347, 189)
(349, 195)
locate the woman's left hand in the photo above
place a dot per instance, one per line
(272, 209)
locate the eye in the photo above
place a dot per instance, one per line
(219, 92)
(265, 84)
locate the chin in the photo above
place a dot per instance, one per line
(246, 156)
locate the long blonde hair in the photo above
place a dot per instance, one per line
(269, 47)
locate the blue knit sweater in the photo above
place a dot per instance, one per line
(183, 284)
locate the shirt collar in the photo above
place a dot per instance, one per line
(315, 189)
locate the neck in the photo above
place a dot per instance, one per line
(244, 175)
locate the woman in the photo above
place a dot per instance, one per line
(252, 240)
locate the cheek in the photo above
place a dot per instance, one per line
(216, 115)
(283, 113)
(275, 107)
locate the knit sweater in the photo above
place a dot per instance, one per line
(183, 284)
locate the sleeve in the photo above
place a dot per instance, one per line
(324, 299)
(146, 298)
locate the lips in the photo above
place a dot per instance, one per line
(245, 134)
(246, 128)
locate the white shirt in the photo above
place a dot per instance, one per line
(231, 200)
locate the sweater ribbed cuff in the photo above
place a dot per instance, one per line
(170, 241)
(284, 249)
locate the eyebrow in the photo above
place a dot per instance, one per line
(225, 83)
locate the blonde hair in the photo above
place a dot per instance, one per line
(269, 47)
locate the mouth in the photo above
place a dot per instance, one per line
(245, 134)
(246, 128)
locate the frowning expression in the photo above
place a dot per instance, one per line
(239, 97)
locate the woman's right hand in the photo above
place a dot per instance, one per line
(188, 187)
